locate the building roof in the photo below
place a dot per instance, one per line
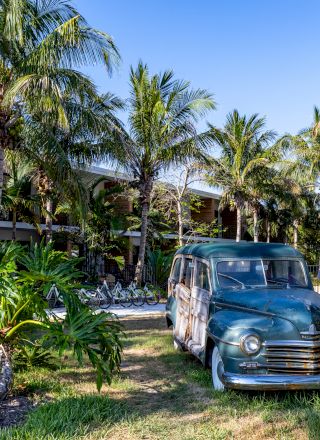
(240, 250)
(116, 174)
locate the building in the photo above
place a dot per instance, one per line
(208, 211)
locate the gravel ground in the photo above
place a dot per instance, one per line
(120, 311)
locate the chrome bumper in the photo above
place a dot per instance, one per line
(270, 382)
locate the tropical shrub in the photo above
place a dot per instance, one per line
(160, 264)
(23, 309)
(32, 354)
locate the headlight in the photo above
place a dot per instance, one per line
(250, 343)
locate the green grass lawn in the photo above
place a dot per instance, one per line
(160, 394)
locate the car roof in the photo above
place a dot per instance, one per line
(239, 250)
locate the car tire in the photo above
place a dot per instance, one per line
(216, 368)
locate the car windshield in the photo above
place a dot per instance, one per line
(239, 274)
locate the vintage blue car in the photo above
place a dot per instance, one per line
(248, 311)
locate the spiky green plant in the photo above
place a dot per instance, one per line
(23, 309)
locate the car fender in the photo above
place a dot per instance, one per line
(226, 327)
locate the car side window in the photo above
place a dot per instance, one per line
(176, 270)
(201, 278)
(187, 272)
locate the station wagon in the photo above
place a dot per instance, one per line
(248, 311)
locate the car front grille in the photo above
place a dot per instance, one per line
(292, 357)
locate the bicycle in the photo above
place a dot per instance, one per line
(117, 295)
(137, 295)
(89, 297)
(142, 296)
(152, 297)
(53, 297)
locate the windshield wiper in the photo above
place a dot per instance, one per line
(233, 279)
(278, 283)
(283, 283)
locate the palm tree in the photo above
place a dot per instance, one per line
(306, 148)
(300, 171)
(244, 145)
(41, 42)
(162, 133)
(58, 156)
(102, 226)
(16, 197)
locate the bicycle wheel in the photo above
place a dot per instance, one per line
(106, 301)
(51, 298)
(152, 297)
(52, 302)
(125, 299)
(138, 297)
(93, 299)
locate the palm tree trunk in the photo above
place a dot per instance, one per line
(1, 168)
(3, 138)
(6, 372)
(49, 209)
(239, 224)
(45, 191)
(295, 233)
(14, 225)
(180, 223)
(145, 193)
(255, 225)
(143, 243)
(268, 231)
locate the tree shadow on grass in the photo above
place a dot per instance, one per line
(73, 417)
(168, 383)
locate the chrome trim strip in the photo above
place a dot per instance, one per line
(245, 309)
(270, 382)
(291, 343)
(235, 344)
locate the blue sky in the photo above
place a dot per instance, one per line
(257, 56)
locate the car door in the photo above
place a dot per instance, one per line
(174, 275)
(183, 295)
(199, 306)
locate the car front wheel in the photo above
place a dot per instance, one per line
(217, 369)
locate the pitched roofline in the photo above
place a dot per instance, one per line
(112, 174)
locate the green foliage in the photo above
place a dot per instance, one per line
(160, 264)
(16, 196)
(32, 354)
(39, 54)
(44, 266)
(97, 336)
(103, 221)
(185, 409)
(162, 132)
(23, 309)
(243, 142)
(204, 229)
(245, 154)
